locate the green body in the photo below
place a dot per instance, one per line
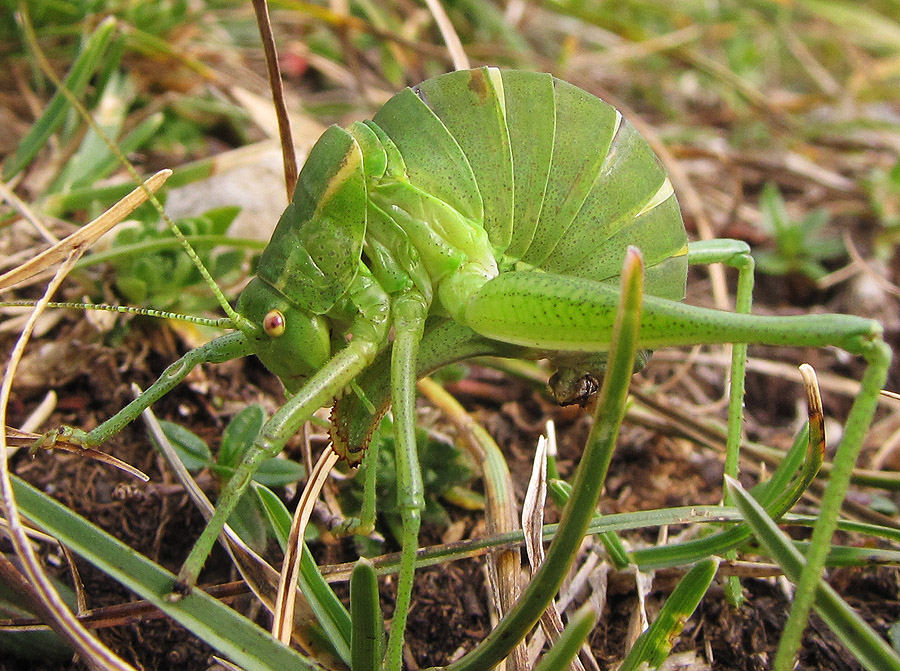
(470, 176)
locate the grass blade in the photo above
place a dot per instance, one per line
(224, 629)
(589, 480)
(367, 635)
(653, 646)
(863, 25)
(866, 645)
(327, 607)
(569, 642)
(90, 58)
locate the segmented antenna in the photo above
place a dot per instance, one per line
(221, 322)
(236, 320)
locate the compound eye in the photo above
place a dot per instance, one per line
(273, 323)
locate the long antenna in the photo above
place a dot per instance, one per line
(222, 322)
(237, 320)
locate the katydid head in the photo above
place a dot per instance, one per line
(291, 342)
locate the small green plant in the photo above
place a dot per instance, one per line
(151, 270)
(444, 472)
(800, 247)
(883, 188)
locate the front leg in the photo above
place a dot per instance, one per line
(366, 336)
(224, 348)
(316, 393)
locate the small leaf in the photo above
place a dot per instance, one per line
(193, 452)
(893, 633)
(279, 472)
(227, 263)
(221, 218)
(248, 522)
(276, 512)
(771, 205)
(239, 435)
(132, 288)
(128, 235)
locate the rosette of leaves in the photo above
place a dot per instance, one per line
(801, 247)
(156, 272)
